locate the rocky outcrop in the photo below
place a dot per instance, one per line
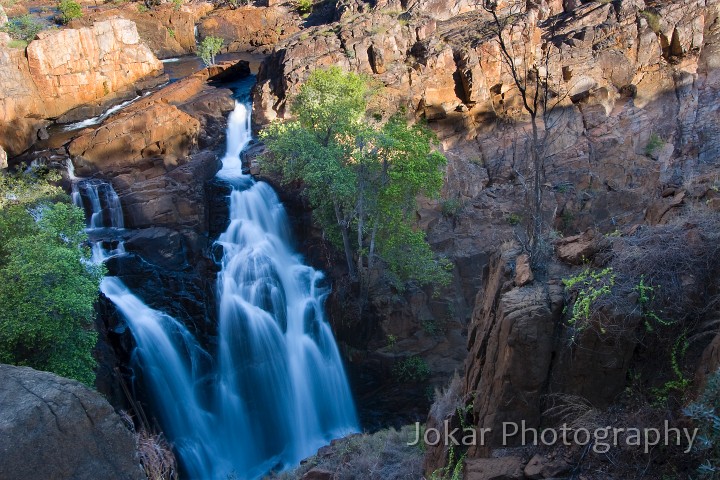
(159, 128)
(67, 68)
(56, 428)
(634, 117)
(614, 98)
(166, 30)
(250, 28)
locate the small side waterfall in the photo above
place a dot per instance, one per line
(276, 389)
(105, 216)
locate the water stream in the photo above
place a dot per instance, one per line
(275, 390)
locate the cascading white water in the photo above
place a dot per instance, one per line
(276, 390)
(276, 349)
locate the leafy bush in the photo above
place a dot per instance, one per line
(48, 287)
(177, 4)
(451, 207)
(69, 10)
(587, 287)
(304, 6)
(654, 144)
(454, 468)
(23, 28)
(412, 369)
(209, 47)
(514, 219)
(362, 177)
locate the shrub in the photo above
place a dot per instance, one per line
(177, 4)
(412, 369)
(69, 10)
(209, 47)
(654, 144)
(705, 411)
(514, 219)
(23, 28)
(451, 207)
(171, 32)
(304, 6)
(586, 288)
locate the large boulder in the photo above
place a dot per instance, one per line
(55, 428)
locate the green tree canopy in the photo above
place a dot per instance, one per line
(362, 176)
(48, 286)
(208, 48)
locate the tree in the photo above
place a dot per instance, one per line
(362, 177)
(69, 10)
(48, 286)
(209, 47)
(531, 78)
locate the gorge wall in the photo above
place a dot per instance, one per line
(632, 140)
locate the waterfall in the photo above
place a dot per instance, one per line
(104, 212)
(275, 391)
(276, 348)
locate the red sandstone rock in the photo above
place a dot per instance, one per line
(250, 28)
(64, 69)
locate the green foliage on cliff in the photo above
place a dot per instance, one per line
(304, 6)
(69, 10)
(47, 285)
(22, 28)
(362, 176)
(208, 48)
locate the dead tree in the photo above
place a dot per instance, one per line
(531, 78)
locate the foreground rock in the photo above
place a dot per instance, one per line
(64, 69)
(55, 428)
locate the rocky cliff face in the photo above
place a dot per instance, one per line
(250, 28)
(53, 428)
(65, 69)
(166, 30)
